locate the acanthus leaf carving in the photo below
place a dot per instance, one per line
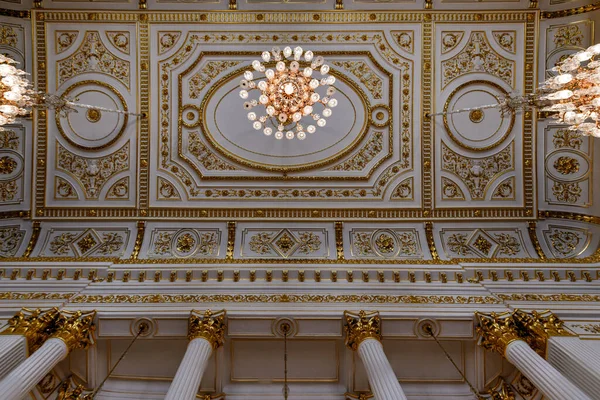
(11, 238)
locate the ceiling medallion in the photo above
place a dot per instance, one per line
(289, 93)
(573, 96)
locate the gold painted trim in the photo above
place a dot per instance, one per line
(35, 235)
(570, 11)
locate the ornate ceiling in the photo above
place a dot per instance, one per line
(384, 208)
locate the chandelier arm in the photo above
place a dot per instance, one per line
(90, 107)
(461, 110)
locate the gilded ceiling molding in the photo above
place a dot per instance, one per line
(280, 298)
(361, 326)
(531, 228)
(560, 297)
(76, 329)
(144, 123)
(139, 239)
(35, 235)
(427, 107)
(231, 228)
(208, 325)
(35, 325)
(25, 14)
(15, 214)
(339, 240)
(569, 215)
(570, 11)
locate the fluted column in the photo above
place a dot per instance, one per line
(363, 335)
(571, 356)
(24, 333)
(71, 331)
(206, 333)
(502, 334)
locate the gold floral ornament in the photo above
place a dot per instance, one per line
(497, 331)
(76, 329)
(539, 327)
(566, 165)
(361, 326)
(210, 326)
(36, 325)
(289, 93)
(501, 391)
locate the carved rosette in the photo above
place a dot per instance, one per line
(497, 331)
(210, 326)
(361, 326)
(539, 327)
(36, 325)
(76, 329)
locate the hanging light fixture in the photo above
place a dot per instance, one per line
(573, 96)
(17, 97)
(289, 93)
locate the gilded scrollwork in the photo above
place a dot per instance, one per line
(450, 40)
(477, 173)
(206, 157)
(182, 243)
(450, 190)
(364, 156)
(566, 165)
(566, 138)
(162, 243)
(483, 243)
(8, 190)
(9, 140)
(568, 35)
(505, 190)
(166, 41)
(506, 40)
(457, 243)
(119, 190)
(478, 56)
(286, 242)
(385, 243)
(120, 39)
(565, 241)
(404, 39)
(166, 190)
(64, 190)
(206, 74)
(87, 243)
(309, 242)
(8, 36)
(7, 165)
(589, 328)
(365, 75)
(64, 40)
(93, 56)
(93, 173)
(508, 245)
(261, 243)
(404, 190)
(11, 238)
(566, 192)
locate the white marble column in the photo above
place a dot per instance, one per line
(382, 378)
(544, 376)
(206, 333)
(577, 360)
(13, 351)
(189, 374)
(20, 381)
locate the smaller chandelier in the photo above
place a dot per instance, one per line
(575, 92)
(17, 97)
(289, 93)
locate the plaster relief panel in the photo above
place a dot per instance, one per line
(564, 39)
(91, 154)
(184, 241)
(484, 242)
(295, 242)
(384, 242)
(14, 152)
(568, 239)
(478, 153)
(210, 153)
(93, 241)
(14, 236)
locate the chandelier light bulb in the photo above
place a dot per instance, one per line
(583, 56)
(288, 93)
(564, 78)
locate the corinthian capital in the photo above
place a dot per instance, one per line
(210, 326)
(539, 327)
(361, 326)
(36, 325)
(76, 329)
(497, 331)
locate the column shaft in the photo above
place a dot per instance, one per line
(543, 375)
(382, 378)
(18, 383)
(578, 361)
(13, 351)
(189, 374)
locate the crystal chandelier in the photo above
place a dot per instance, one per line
(572, 96)
(17, 97)
(289, 93)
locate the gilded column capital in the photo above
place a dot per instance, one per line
(210, 326)
(36, 325)
(76, 329)
(539, 327)
(497, 331)
(361, 326)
